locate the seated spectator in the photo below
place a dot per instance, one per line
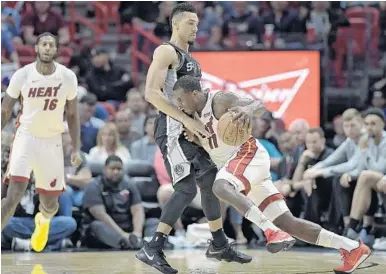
(135, 100)
(124, 120)
(11, 23)
(373, 157)
(241, 21)
(145, 148)
(299, 129)
(9, 50)
(263, 128)
(42, 19)
(18, 232)
(215, 41)
(286, 146)
(344, 159)
(107, 81)
(88, 132)
(163, 28)
(89, 102)
(368, 182)
(339, 136)
(80, 62)
(282, 18)
(108, 143)
(379, 99)
(143, 13)
(207, 18)
(76, 178)
(318, 191)
(113, 205)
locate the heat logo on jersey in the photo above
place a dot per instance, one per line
(49, 92)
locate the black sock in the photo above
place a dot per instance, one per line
(353, 224)
(158, 240)
(219, 238)
(368, 229)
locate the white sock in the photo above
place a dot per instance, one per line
(257, 217)
(329, 239)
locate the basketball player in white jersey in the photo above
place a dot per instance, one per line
(246, 168)
(46, 89)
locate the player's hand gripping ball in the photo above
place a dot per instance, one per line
(232, 132)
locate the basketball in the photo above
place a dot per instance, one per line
(231, 133)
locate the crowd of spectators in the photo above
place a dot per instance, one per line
(336, 182)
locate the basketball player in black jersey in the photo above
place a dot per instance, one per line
(187, 163)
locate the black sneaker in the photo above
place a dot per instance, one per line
(227, 253)
(156, 259)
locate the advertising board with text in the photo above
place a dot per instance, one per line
(288, 82)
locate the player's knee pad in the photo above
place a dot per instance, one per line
(206, 180)
(222, 186)
(270, 203)
(186, 187)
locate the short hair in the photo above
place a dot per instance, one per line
(375, 111)
(188, 83)
(113, 158)
(317, 130)
(299, 123)
(44, 34)
(350, 114)
(180, 8)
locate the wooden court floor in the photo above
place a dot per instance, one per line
(186, 261)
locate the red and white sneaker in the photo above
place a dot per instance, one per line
(353, 259)
(278, 240)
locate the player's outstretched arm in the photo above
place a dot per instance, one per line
(164, 56)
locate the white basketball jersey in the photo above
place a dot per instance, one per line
(219, 152)
(43, 98)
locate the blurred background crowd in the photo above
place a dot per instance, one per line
(109, 45)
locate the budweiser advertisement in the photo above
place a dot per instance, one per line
(288, 82)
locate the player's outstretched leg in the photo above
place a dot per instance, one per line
(9, 203)
(152, 253)
(219, 248)
(277, 240)
(48, 207)
(353, 253)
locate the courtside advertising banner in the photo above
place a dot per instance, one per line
(288, 82)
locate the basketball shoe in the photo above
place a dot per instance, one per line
(278, 240)
(353, 259)
(226, 253)
(155, 257)
(40, 236)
